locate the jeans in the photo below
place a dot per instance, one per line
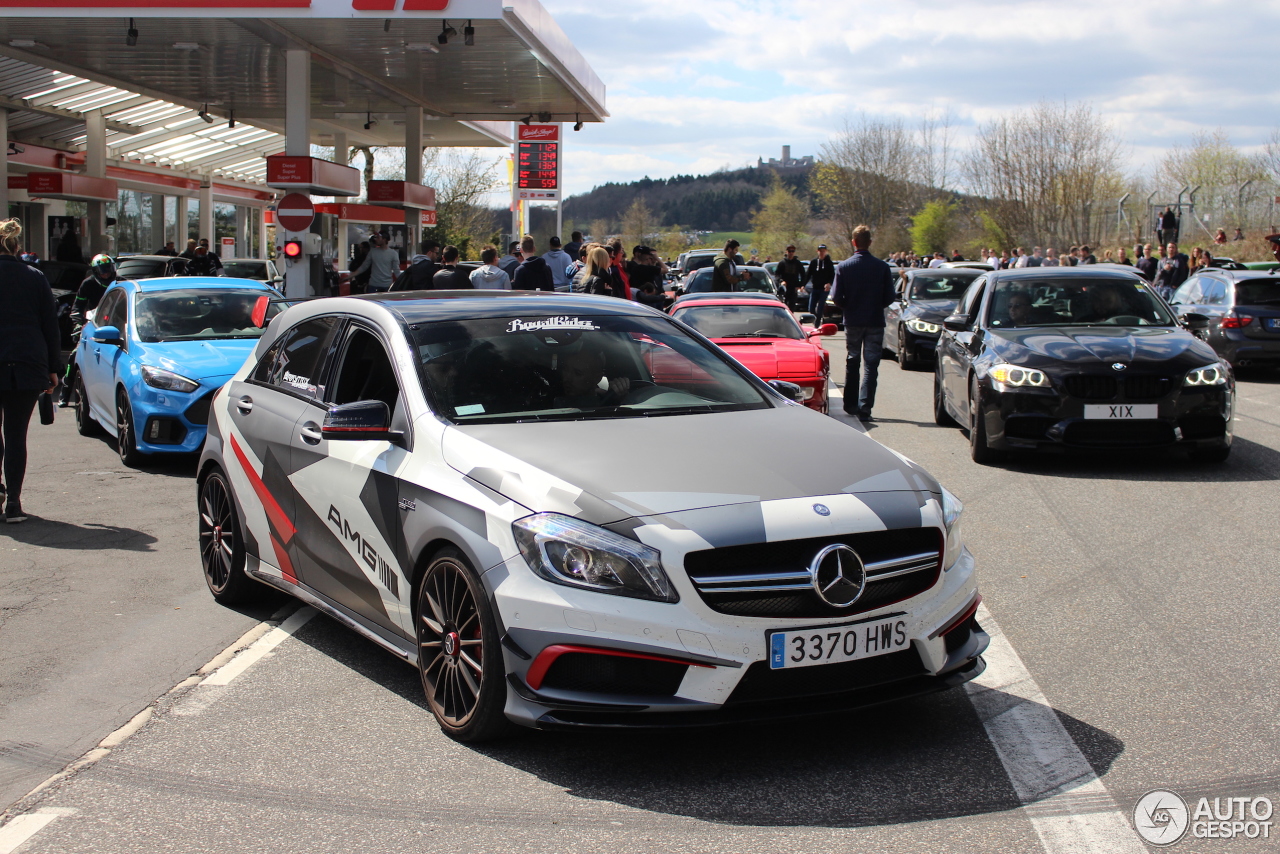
(817, 303)
(15, 414)
(866, 344)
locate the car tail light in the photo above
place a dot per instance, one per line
(1235, 321)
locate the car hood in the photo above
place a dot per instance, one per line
(1083, 345)
(772, 357)
(933, 310)
(199, 360)
(604, 471)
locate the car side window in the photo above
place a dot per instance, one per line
(1215, 292)
(298, 362)
(110, 311)
(1189, 293)
(365, 372)
(971, 299)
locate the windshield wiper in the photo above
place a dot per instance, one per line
(753, 335)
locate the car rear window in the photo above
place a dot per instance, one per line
(1258, 291)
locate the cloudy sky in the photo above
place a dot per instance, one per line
(693, 87)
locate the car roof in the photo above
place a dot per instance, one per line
(1238, 275)
(1107, 271)
(120, 259)
(740, 300)
(183, 283)
(912, 272)
(426, 306)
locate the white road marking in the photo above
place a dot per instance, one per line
(1068, 805)
(23, 827)
(260, 648)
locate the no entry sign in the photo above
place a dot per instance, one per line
(295, 212)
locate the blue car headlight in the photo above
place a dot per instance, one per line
(167, 380)
(578, 554)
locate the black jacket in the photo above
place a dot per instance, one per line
(792, 272)
(30, 343)
(204, 265)
(88, 296)
(533, 274)
(822, 271)
(864, 286)
(450, 279)
(418, 276)
(1147, 267)
(596, 284)
(1171, 272)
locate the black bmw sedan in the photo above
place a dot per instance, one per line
(1079, 357)
(913, 321)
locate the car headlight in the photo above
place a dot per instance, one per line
(915, 324)
(572, 552)
(807, 392)
(1016, 377)
(167, 380)
(1208, 375)
(952, 510)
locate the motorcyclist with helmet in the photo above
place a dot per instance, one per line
(102, 274)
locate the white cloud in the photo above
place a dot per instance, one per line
(724, 81)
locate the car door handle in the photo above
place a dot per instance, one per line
(310, 433)
(245, 405)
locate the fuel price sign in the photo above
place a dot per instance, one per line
(538, 161)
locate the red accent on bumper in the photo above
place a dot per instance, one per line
(541, 664)
(958, 620)
(275, 513)
(282, 558)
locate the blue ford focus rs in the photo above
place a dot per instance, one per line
(156, 351)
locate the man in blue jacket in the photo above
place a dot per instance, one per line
(862, 289)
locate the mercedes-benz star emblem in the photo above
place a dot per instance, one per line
(838, 574)
(822, 509)
(1118, 366)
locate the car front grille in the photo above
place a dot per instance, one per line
(607, 674)
(761, 684)
(1132, 387)
(1118, 434)
(772, 579)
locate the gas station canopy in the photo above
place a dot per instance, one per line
(370, 61)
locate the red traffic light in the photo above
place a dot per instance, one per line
(292, 248)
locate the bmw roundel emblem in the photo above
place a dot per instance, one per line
(1118, 366)
(822, 509)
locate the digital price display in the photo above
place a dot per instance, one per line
(538, 165)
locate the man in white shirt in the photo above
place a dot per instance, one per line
(937, 261)
(1021, 258)
(382, 262)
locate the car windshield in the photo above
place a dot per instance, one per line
(548, 368)
(1258, 291)
(1076, 302)
(140, 269)
(200, 314)
(245, 269)
(941, 285)
(759, 282)
(742, 321)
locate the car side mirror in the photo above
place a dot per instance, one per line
(806, 318)
(111, 335)
(956, 323)
(363, 419)
(790, 391)
(824, 329)
(1195, 322)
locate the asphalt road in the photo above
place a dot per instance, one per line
(1140, 594)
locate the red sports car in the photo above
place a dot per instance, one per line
(766, 338)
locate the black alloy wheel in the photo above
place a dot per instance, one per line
(459, 655)
(85, 425)
(941, 416)
(906, 361)
(221, 546)
(981, 452)
(126, 443)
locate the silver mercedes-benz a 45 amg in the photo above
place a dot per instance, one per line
(573, 511)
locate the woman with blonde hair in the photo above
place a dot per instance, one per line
(30, 359)
(595, 275)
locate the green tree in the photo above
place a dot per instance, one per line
(638, 224)
(783, 220)
(933, 228)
